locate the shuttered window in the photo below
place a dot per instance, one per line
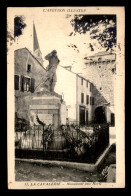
(27, 84)
(82, 97)
(87, 99)
(16, 82)
(22, 83)
(32, 85)
(91, 100)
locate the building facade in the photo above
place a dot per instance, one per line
(28, 73)
(101, 69)
(77, 93)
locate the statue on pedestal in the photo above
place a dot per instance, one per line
(50, 79)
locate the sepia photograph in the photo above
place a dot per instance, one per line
(65, 89)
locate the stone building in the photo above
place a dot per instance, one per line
(28, 74)
(100, 69)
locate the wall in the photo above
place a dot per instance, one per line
(22, 57)
(66, 86)
(102, 75)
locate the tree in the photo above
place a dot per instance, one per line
(100, 27)
(10, 38)
(19, 25)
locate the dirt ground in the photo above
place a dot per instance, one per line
(38, 172)
(35, 172)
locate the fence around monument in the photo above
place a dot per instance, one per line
(66, 143)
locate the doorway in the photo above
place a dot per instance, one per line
(82, 115)
(100, 116)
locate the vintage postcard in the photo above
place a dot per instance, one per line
(65, 90)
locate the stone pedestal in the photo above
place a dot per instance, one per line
(49, 109)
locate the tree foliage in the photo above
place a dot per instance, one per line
(10, 38)
(100, 27)
(19, 25)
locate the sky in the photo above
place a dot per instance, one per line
(53, 30)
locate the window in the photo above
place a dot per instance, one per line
(87, 99)
(113, 61)
(32, 85)
(90, 87)
(91, 100)
(82, 97)
(81, 81)
(99, 59)
(86, 83)
(27, 84)
(28, 68)
(113, 70)
(16, 82)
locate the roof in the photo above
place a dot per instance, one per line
(31, 55)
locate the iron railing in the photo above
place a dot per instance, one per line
(65, 142)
